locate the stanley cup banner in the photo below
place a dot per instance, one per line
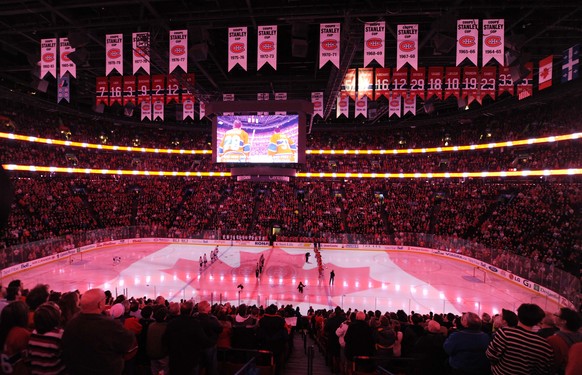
(66, 65)
(417, 83)
(141, 51)
(48, 57)
(395, 106)
(343, 106)
(178, 50)
(434, 86)
(467, 37)
(407, 51)
(113, 53)
(493, 41)
(267, 46)
(410, 104)
(146, 110)
(362, 107)
(188, 109)
(237, 47)
(382, 83)
(374, 42)
(281, 96)
(348, 86)
(329, 44)
(158, 110)
(262, 96)
(366, 83)
(317, 100)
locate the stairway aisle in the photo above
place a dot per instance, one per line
(297, 362)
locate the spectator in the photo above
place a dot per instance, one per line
(359, 340)
(466, 347)
(212, 328)
(45, 346)
(14, 337)
(156, 351)
(568, 322)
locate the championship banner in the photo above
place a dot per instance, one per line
(407, 51)
(228, 98)
(48, 57)
(493, 42)
(63, 89)
(487, 85)
(343, 106)
(452, 82)
(399, 82)
(570, 63)
(141, 51)
(178, 50)
(66, 65)
(146, 110)
(505, 82)
(129, 90)
(158, 110)
(188, 86)
(366, 83)
(417, 83)
(317, 100)
(435, 82)
(410, 104)
(143, 87)
(361, 107)
(394, 106)
(262, 96)
(348, 86)
(187, 109)
(237, 47)
(382, 86)
(281, 96)
(467, 36)
(470, 84)
(545, 73)
(329, 44)
(267, 46)
(115, 88)
(172, 89)
(202, 110)
(158, 88)
(113, 53)
(374, 42)
(525, 87)
(102, 91)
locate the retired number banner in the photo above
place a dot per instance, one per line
(525, 87)
(366, 83)
(374, 42)
(172, 89)
(452, 82)
(435, 82)
(348, 86)
(129, 90)
(505, 82)
(417, 84)
(143, 86)
(237, 47)
(467, 36)
(267, 46)
(102, 91)
(113, 53)
(382, 87)
(487, 86)
(115, 89)
(329, 44)
(399, 82)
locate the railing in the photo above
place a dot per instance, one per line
(546, 275)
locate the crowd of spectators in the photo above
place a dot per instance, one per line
(44, 331)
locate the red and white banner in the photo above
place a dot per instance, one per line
(202, 110)
(228, 98)
(158, 110)
(140, 44)
(348, 86)
(452, 82)
(417, 83)
(281, 96)
(504, 81)
(434, 85)
(399, 82)
(158, 88)
(262, 96)
(48, 57)
(237, 47)
(366, 83)
(146, 110)
(66, 65)
(545, 73)
(407, 51)
(488, 79)
(129, 90)
(115, 89)
(525, 87)
(317, 100)
(493, 42)
(382, 84)
(361, 107)
(143, 87)
(188, 87)
(188, 109)
(172, 89)
(467, 37)
(395, 106)
(178, 50)
(410, 104)
(343, 106)
(267, 46)
(113, 53)
(102, 90)
(374, 42)
(471, 84)
(329, 44)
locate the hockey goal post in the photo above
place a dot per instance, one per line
(480, 274)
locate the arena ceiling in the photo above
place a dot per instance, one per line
(535, 29)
